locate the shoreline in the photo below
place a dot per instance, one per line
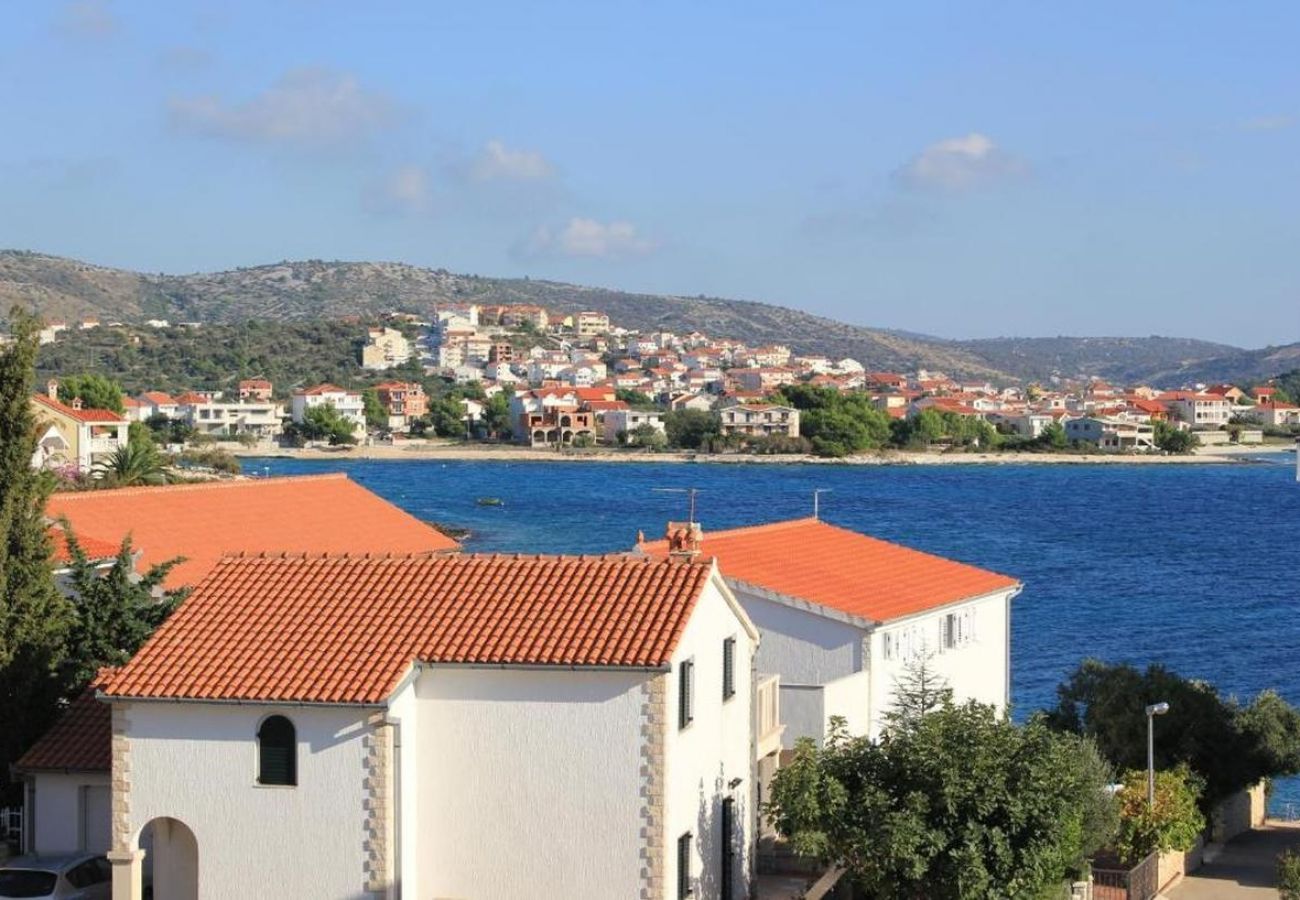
(506, 453)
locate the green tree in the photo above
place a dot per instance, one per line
(918, 691)
(94, 392)
(447, 416)
(376, 415)
(647, 436)
(115, 611)
(956, 803)
(325, 423)
(1172, 823)
(1288, 875)
(132, 464)
(1053, 436)
(1171, 439)
(1228, 746)
(496, 415)
(691, 428)
(635, 399)
(34, 616)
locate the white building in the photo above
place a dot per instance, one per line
(627, 421)
(384, 349)
(348, 403)
(759, 419)
(843, 615)
(230, 419)
(70, 435)
(1112, 434)
(489, 747)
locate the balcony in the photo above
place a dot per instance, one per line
(770, 728)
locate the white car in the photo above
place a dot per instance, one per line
(73, 877)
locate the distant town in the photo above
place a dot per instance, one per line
(519, 374)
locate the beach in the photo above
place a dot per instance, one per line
(451, 450)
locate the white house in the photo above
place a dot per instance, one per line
(842, 616)
(438, 726)
(70, 435)
(628, 421)
(348, 403)
(1112, 434)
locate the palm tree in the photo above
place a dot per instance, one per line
(133, 464)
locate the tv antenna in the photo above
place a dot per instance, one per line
(817, 501)
(690, 491)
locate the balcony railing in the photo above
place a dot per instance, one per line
(769, 715)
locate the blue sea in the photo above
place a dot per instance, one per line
(1195, 566)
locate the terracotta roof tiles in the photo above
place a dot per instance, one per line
(89, 416)
(201, 522)
(80, 741)
(841, 569)
(331, 629)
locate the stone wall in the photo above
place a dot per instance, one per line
(1241, 812)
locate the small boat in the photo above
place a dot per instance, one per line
(490, 501)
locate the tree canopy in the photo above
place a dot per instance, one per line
(94, 392)
(955, 803)
(1227, 745)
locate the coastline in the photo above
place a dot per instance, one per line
(505, 453)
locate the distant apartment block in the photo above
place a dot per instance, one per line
(759, 419)
(348, 403)
(404, 402)
(384, 349)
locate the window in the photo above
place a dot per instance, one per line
(728, 668)
(684, 866)
(728, 862)
(277, 752)
(686, 693)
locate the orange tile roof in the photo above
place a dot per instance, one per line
(346, 629)
(81, 740)
(305, 514)
(841, 569)
(158, 398)
(93, 547)
(89, 416)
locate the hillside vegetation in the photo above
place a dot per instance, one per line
(315, 290)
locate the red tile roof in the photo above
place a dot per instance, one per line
(158, 398)
(307, 514)
(89, 416)
(93, 547)
(80, 741)
(347, 629)
(322, 389)
(841, 569)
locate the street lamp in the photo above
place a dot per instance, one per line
(1155, 709)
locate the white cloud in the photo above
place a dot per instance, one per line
(88, 19)
(497, 162)
(582, 237)
(407, 189)
(310, 106)
(1268, 123)
(961, 163)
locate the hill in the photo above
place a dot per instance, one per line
(310, 290)
(314, 290)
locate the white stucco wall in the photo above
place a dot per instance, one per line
(704, 757)
(803, 647)
(529, 783)
(979, 670)
(70, 814)
(198, 763)
(849, 698)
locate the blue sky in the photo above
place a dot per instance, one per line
(964, 169)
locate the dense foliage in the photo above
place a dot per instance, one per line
(116, 611)
(1172, 439)
(1288, 875)
(1227, 745)
(956, 803)
(691, 429)
(34, 616)
(94, 392)
(321, 423)
(1172, 823)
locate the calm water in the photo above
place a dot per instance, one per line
(1195, 566)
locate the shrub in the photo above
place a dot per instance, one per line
(1288, 875)
(1173, 823)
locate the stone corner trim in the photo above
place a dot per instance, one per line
(377, 790)
(654, 736)
(121, 781)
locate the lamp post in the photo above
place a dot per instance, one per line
(1155, 709)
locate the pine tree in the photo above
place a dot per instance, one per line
(918, 691)
(115, 612)
(34, 616)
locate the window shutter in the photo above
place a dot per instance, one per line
(728, 839)
(728, 668)
(277, 752)
(684, 866)
(686, 693)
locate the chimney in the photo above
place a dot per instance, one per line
(76, 403)
(52, 389)
(684, 539)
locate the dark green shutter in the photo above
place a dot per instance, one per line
(277, 752)
(728, 668)
(686, 691)
(684, 866)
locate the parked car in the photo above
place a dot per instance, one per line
(75, 877)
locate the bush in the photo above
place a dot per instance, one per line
(1173, 823)
(1288, 875)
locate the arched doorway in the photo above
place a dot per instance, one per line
(171, 860)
